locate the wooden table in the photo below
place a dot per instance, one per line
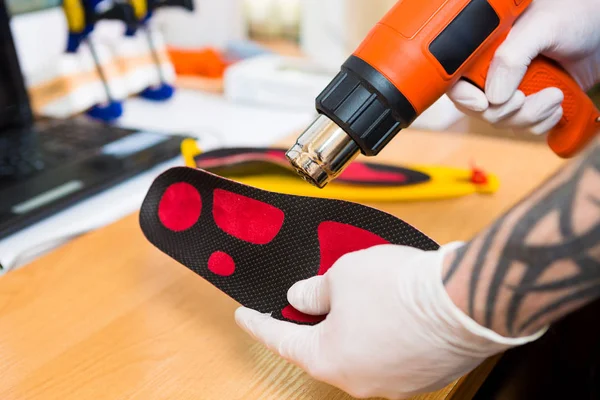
(109, 317)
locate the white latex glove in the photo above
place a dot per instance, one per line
(567, 31)
(391, 330)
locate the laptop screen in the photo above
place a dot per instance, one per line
(14, 102)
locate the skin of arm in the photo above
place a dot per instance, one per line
(540, 261)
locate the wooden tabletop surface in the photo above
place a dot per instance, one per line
(107, 316)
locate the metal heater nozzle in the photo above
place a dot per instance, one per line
(322, 152)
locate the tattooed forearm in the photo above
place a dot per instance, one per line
(539, 261)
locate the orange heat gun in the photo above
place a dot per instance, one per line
(407, 62)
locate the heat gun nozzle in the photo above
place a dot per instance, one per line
(322, 152)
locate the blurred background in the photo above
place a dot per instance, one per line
(227, 73)
(219, 32)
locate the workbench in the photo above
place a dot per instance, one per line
(108, 316)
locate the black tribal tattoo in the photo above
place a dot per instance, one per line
(578, 246)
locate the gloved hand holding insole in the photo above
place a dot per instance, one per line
(253, 244)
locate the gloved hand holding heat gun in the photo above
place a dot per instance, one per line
(566, 31)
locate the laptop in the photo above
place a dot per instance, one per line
(49, 165)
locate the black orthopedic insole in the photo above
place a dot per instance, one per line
(253, 244)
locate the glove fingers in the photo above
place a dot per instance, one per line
(468, 96)
(546, 125)
(537, 108)
(293, 342)
(503, 81)
(310, 296)
(495, 114)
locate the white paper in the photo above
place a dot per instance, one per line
(206, 115)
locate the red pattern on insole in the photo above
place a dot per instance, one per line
(355, 172)
(180, 207)
(247, 219)
(258, 223)
(335, 240)
(290, 313)
(221, 263)
(224, 161)
(362, 173)
(277, 154)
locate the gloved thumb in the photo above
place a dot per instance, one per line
(310, 296)
(523, 44)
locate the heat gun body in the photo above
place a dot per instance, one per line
(406, 63)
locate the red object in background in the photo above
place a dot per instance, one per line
(478, 176)
(207, 62)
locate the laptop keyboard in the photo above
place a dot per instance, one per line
(25, 152)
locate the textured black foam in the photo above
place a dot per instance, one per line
(264, 273)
